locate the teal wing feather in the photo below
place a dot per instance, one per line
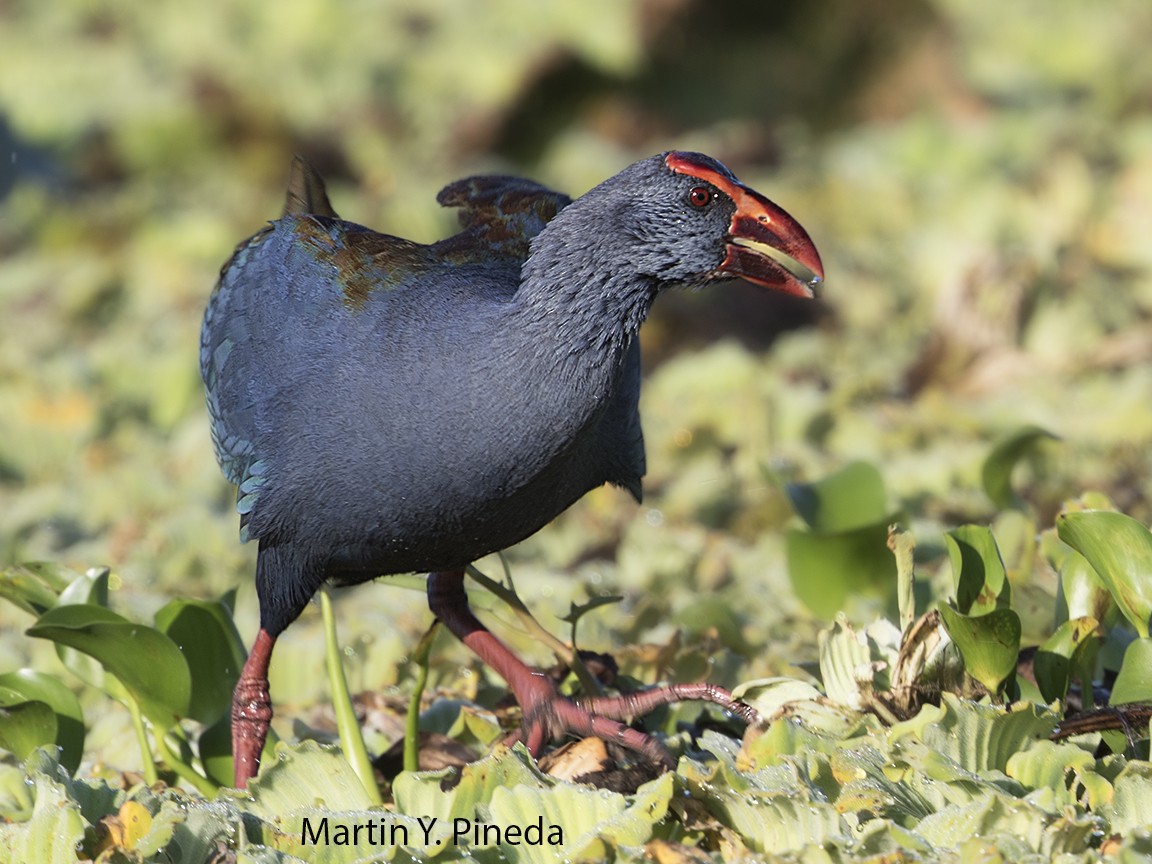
(233, 420)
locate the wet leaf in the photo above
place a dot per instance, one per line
(145, 661)
(28, 684)
(212, 649)
(24, 726)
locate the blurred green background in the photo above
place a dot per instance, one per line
(977, 175)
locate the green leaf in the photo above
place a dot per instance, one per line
(145, 661)
(1120, 551)
(206, 636)
(903, 546)
(590, 822)
(1085, 595)
(989, 644)
(576, 612)
(975, 737)
(1050, 765)
(1006, 453)
(32, 587)
(90, 588)
(1128, 809)
(24, 726)
(1134, 683)
(1061, 654)
(828, 569)
(56, 828)
(306, 775)
(843, 656)
(977, 570)
(27, 684)
(423, 792)
(769, 810)
(851, 498)
(214, 747)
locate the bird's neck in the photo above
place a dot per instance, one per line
(579, 303)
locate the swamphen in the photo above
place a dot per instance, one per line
(390, 407)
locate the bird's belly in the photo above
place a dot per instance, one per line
(431, 514)
(456, 529)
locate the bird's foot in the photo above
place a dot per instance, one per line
(549, 716)
(251, 711)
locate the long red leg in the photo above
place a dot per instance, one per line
(547, 715)
(251, 710)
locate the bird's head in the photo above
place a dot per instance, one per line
(684, 218)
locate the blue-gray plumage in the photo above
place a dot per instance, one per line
(386, 406)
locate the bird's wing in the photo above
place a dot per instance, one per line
(233, 420)
(500, 214)
(239, 337)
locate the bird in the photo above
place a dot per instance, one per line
(385, 406)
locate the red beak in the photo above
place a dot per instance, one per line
(765, 245)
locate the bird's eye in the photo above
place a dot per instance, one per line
(700, 196)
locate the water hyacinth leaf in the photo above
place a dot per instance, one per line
(589, 822)
(1128, 809)
(1120, 551)
(903, 546)
(212, 648)
(214, 749)
(90, 587)
(851, 498)
(314, 782)
(845, 662)
(970, 736)
(996, 473)
(87, 588)
(28, 684)
(1084, 594)
(1016, 824)
(828, 569)
(56, 828)
(1048, 765)
(27, 587)
(146, 662)
(305, 776)
(783, 738)
(769, 695)
(977, 570)
(769, 810)
(24, 726)
(1061, 655)
(1134, 683)
(867, 786)
(989, 644)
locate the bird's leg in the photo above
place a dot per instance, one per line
(547, 714)
(251, 710)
